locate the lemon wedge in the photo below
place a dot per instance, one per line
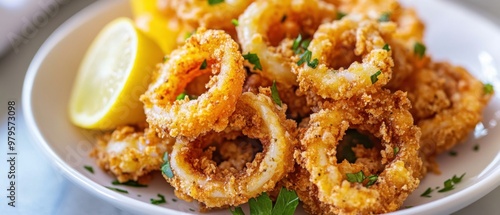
(115, 71)
(161, 27)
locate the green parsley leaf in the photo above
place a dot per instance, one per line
(261, 205)
(306, 58)
(385, 17)
(427, 193)
(214, 2)
(275, 95)
(89, 168)
(300, 44)
(450, 183)
(188, 35)
(181, 96)
(117, 189)
(165, 58)
(129, 183)
(488, 88)
(386, 47)
(314, 63)
(237, 211)
(235, 22)
(203, 65)
(165, 167)
(456, 179)
(358, 177)
(158, 201)
(374, 77)
(340, 15)
(453, 153)
(253, 59)
(396, 150)
(419, 49)
(296, 43)
(371, 180)
(286, 203)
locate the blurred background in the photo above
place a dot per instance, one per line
(24, 26)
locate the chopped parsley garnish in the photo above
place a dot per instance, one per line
(419, 49)
(427, 193)
(165, 167)
(374, 77)
(165, 58)
(193, 210)
(340, 15)
(214, 2)
(275, 95)
(385, 17)
(306, 58)
(371, 180)
(117, 189)
(300, 45)
(396, 150)
(203, 65)
(129, 183)
(158, 201)
(235, 22)
(89, 168)
(359, 177)
(188, 35)
(488, 88)
(253, 59)
(181, 96)
(450, 183)
(285, 204)
(476, 147)
(386, 47)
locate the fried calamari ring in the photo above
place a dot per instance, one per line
(447, 104)
(131, 153)
(266, 22)
(211, 110)
(356, 44)
(202, 14)
(386, 117)
(199, 177)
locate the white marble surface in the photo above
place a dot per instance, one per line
(41, 189)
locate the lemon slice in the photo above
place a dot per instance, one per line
(114, 72)
(163, 28)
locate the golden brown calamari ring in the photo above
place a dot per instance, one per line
(448, 102)
(351, 59)
(131, 153)
(198, 177)
(211, 110)
(264, 21)
(384, 115)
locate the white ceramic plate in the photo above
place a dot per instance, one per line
(453, 34)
